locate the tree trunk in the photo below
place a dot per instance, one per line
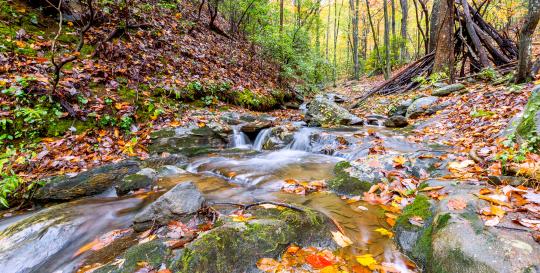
(387, 69)
(441, 39)
(373, 32)
(393, 24)
(354, 9)
(328, 30)
(484, 61)
(403, 43)
(525, 40)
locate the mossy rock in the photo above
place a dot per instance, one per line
(344, 183)
(326, 113)
(187, 141)
(527, 129)
(234, 246)
(94, 181)
(457, 240)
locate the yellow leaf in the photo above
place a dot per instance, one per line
(399, 160)
(366, 260)
(329, 269)
(493, 200)
(240, 218)
(341, 239)
(385, 232)
(267, 265)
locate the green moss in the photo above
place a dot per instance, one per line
(526, 129)
(419, 207)
(63, 125)
(442, 221)
(343, 182)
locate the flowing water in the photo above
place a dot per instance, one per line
(47, 240)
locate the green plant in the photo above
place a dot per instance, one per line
(488, 74)
(478, 113)
(125, 122)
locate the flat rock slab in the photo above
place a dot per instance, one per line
(86, 183)
(448, 89)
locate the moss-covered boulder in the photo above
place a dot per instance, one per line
(344, 183)
(528, 126)
(234, 246)
(144, 178)
(94, 181)
(452, 240)
(448, 89)
(326, 113)
(189, 141)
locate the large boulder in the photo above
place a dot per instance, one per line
(86, 183)
(234, 246)
(144, 178)
(452, 240)
(186, 140)
(400, 109)
(528, 125)
(324, 112)
(356, 177)
(421, 106)
(278, 137)
(179, 203)
(448, 89)
(396, 121)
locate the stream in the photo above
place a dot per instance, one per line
(48, 240)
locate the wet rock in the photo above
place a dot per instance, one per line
(179, 203)
(156, 162)
(507, 180)
(344, 183)
(324, 112)
(279, 137)
(421, 106)
(144, 178)
(168, 170)
(222, 130)
(86, 183)
(375, 119)
(291, 105)
(401, 109)
(255, 126)
(189, 141)
(448, 89)
(396, 122)
(235, 247)
(355, 177)
(458, 241)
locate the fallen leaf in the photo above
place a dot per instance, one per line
(457, 204)
(341, 239)
(384, 232)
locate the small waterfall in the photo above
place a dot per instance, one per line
(261, 138)
(240, 140)
(302, 140)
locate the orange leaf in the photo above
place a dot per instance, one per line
(318, 261)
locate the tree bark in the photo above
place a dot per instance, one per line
(404, 17)
(484, 61)
(354, 9)
(388, 65)
(441, 39)
(525, 41)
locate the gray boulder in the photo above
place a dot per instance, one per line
(458, 241)
(324, 112)
(396, 122)
(233, 246)
(448, 89)
(86, 183)
(401, 109)
(255, 126)
(168, 170)
(179, 203)
(421, 106)
(144, 178)
(188, 141)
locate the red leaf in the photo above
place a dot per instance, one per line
(318, 261)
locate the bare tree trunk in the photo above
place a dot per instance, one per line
(354, 6)
(373, 32)
(393, 24)
(404, 16)
(525, 40)
(328, 30)
(388, 65)
(441, 39)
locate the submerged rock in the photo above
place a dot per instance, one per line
(344, 183)
(324, 112)
(396, 122)
(448, 89)
(458, 241)
(188, 141)
(233, 246)
(279, 137)
(144, 178)
(86, 183)
(179, 203)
